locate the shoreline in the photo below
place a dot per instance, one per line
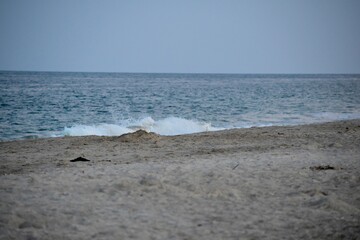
(262, 182)
(211, 131)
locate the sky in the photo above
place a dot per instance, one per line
(181, 36)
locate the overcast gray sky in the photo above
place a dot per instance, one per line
(223, 36)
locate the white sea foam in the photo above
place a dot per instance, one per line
(176, 126)
(99, 130)
(168, 126)
(331, 116)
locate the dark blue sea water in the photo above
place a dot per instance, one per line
(47, 104)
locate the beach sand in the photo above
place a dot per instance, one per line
(295, 182)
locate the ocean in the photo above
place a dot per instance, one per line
(53, 104)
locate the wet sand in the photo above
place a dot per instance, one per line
(297, 182)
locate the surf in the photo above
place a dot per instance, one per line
(170, 126)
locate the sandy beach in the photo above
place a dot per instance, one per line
(294, 182)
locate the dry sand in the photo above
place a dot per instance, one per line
(298, 182)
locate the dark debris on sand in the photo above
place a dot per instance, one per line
(320, 168)
(80, 159)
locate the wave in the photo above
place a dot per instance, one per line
(168, 126)
(177, 126)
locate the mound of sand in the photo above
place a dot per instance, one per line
(139, 136)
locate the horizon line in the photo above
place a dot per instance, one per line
(214, 73)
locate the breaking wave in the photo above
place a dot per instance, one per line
(168, 126)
